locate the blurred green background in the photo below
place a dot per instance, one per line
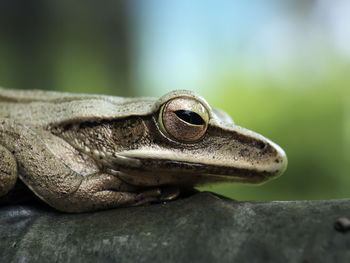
(280, 68)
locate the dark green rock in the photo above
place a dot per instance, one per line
(201, 228)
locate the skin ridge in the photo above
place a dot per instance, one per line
(204, 168)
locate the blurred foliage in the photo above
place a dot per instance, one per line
(87, 47)
(77, 46)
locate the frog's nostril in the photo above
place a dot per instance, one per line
(259, 145)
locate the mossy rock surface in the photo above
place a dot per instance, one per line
(201, 228)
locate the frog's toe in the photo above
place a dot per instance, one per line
(156, 195)
(169, 193)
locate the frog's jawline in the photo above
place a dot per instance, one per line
(252, 176)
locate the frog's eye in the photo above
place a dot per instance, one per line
(184, 119)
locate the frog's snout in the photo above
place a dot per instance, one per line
(281, 161)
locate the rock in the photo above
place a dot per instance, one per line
(201, 228)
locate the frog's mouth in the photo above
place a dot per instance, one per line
(211, 173)
(155, 171)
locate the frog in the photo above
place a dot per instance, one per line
(83, 152)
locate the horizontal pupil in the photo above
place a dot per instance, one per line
(190, 117)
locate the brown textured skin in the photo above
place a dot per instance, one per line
(8, 171)
(88, 152)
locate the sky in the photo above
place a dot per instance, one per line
(187, 44)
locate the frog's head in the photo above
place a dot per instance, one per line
(185, 141)
(177, 139)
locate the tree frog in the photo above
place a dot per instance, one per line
(82, 153)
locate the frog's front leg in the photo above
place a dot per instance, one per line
(102, 191)
(8, 171)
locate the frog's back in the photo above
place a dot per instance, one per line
(40, 108)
